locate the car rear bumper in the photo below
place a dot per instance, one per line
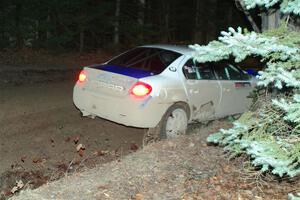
(142, 113)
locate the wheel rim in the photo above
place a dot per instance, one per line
(176, 123)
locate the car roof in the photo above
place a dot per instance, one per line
(183, 49)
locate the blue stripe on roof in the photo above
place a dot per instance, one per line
(132, 72)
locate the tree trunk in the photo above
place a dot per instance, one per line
(229, 18)
(270, 19)
(293, 23)
(19, 37)
(141, 16)
(81, 46)
(248, 15)
(212, 20)
(48, 33)
(166, 20)
(197, 33)
(37, 27)
(141, 19)
(202, 23)
(117, 23)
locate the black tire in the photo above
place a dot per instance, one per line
(160, 131)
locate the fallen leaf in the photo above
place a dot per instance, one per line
(81, 152)
(138, 197)
(52, 142)
(191, 145)
(62, 167)
(14, 189)
(80, 147)
(103, 187)
(76, 139)
(100, 153)
(19, 185)
(134, 147)
(116, 153)
(76, 162)
(37, 160)
(23, 158)
(107, 195)
(7, 193)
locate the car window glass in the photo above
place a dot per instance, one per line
(189, 70)
(129, 57)
(228, 71)
(205, 72)
(154, 63)
(233, 73)
(245, 75)
(197, 71)
(137, 60)
(167, 57)
(149, 59)
(237, 73)
(220, 71)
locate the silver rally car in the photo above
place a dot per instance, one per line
(162, 86)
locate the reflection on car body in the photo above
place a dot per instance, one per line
(162, 86)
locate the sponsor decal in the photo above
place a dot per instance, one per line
(109, 86)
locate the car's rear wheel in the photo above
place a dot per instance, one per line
(173, 123)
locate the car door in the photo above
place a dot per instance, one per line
(203, 90)
(236, 86)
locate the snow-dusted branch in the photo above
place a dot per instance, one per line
(286, 6)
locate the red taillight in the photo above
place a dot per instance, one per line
(82, 76)
(141, 89)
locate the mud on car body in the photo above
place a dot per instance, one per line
(161, 87)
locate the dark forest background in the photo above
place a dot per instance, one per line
(83, 25)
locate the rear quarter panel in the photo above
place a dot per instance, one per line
(168, 85)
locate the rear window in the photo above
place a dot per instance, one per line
(148, 59)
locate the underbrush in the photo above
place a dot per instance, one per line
(44, 58)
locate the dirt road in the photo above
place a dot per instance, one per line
(40, 129)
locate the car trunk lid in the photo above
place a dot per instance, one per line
(112, 80)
